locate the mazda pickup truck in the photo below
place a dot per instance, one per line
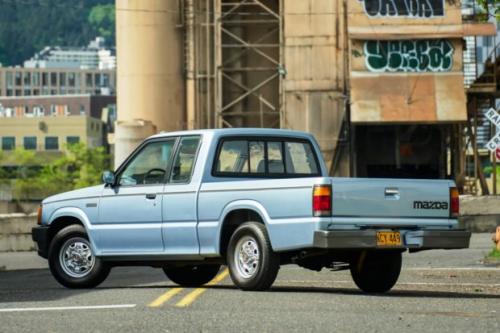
(252, 199)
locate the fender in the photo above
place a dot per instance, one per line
(242, 204)
(80, 215)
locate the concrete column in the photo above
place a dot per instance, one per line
(150, 81)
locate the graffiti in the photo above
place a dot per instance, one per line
(411, 8)
(409, 56)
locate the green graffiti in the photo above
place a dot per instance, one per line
(409, 56)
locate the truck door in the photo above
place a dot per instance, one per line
(180, 197)
(130, 213)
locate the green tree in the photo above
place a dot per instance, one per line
(28, 26)
(78, 167)
(491, 8)
(102, 20)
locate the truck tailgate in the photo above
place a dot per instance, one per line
(387, 198)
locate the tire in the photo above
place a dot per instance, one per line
(192, 275)
(261, 269)
(377, 271)
(88, 272)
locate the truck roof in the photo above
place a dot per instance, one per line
(237, 131)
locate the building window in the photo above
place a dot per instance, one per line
(27, 78)
(38, 111)
(17, 79)
(8, 143)
(62, 79)
(45, 79)
(88, 79)
(36, 79)
(72, 140)
(9, 79)
(51, 143)
(30, 142)
(82, 110)
(53, 79)
(27, 111)
(97, 80)
(71, 79)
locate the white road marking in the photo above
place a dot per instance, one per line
(64, 308)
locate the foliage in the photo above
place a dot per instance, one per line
(490, 8)
(489, 170)
(494, 254)
(28, 26)
(102, 20)
(78, 167)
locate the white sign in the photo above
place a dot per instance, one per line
(494, 117)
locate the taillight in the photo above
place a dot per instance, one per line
(322, 200)
(454, 202)
(39, 215)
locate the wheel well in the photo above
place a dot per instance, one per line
(61, 223)
(232, 221)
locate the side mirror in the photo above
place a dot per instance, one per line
(108, 177)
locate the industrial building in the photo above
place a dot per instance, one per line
(379, 83)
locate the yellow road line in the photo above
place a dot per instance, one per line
(192, 296)
(165, 297)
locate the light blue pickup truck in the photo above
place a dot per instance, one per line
(251, 199)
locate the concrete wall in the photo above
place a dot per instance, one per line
(15, 232)
(479, 214)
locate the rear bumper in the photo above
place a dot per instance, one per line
(411, 239)
(40, 236)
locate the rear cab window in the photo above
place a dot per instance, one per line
(265, 157)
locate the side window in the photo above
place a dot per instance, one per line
(233, 157)
(275, 158)
(150, 165)
(300, 158)
(184, 160)
(272, 158)
(257, 157)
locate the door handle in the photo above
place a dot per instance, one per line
(151, 196)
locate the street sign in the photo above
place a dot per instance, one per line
(493, 116)
(498, 153)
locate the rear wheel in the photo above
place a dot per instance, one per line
(72, 262)
(376, 271)
(191, 275)
(252, 263)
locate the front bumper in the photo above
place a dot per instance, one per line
(40, 236)
(410, 239)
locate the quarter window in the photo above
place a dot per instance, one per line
(300, 158)
(185, 159)
(150, 165)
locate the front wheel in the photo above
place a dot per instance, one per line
(72, 262)
(252, 263)
(191, 275)
(376, 271)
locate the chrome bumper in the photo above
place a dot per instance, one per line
(411, 239)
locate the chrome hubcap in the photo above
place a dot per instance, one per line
(247, 257)
(76, 257)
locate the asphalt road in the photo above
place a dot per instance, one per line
(438, 291)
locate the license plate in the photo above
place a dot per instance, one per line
(388, 238)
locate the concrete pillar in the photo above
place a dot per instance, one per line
(150, 87)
